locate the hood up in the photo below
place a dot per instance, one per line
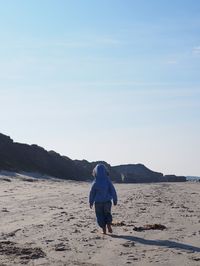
(101, 175)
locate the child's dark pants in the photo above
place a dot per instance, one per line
(103, 213)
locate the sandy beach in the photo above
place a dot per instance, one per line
(48, 222)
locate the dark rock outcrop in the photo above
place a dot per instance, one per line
(19, 157)
(174, 178)
(138, 173)
(32, 158)
(89, 166)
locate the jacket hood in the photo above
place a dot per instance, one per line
(101, 175)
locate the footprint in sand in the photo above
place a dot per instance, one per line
(4, 210)
(61, 247)
(128, 244)
(10, 248)
(195, 258)
(11, 234)
(49, 241)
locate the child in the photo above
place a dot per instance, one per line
(101, 193)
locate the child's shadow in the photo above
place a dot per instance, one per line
(162, 243)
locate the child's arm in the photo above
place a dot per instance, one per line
(92, 195)
(113, 193)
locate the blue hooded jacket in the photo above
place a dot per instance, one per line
(102, 189)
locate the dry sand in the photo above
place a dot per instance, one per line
(48, 222)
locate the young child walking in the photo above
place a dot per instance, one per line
(101, 194)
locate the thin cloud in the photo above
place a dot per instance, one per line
(108, 41)
(172, 62)
(196, 50)
(93, 42)
(85, 41)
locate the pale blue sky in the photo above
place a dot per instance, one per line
(114, 80)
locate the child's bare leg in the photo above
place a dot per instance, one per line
(104, 230)
(109, 228)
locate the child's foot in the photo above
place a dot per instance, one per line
(104, 230)
(109, 228)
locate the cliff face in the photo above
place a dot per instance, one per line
(138, 173)
(89, 166)
(174, 178)
(32, 158)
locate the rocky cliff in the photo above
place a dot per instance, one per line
(89, 166)
(32, 158)
(19, 157)
(138, 173)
